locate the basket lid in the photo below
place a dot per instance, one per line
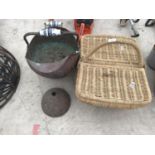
(110, 50)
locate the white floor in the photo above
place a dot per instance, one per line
(24, 110)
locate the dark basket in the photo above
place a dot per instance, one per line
(9, 76)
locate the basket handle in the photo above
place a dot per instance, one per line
(108, 43)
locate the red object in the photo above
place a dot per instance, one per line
(83, 27)
(36, 128)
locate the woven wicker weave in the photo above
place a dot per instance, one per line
(111, 73)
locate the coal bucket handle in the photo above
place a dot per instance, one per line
(37, 33)
(29, 34)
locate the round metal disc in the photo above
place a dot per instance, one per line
(55, 102)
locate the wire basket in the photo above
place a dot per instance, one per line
(9, 76)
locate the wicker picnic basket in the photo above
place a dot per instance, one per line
(111, 73)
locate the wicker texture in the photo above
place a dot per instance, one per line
(111, 73)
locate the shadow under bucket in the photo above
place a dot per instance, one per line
(52, 56)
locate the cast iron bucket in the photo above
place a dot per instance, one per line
(52, 56)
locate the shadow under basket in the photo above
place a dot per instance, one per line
(53, 56)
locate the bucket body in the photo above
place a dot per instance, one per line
(53, 56)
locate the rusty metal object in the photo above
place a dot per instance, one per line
(55, 102)
(52, 56)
